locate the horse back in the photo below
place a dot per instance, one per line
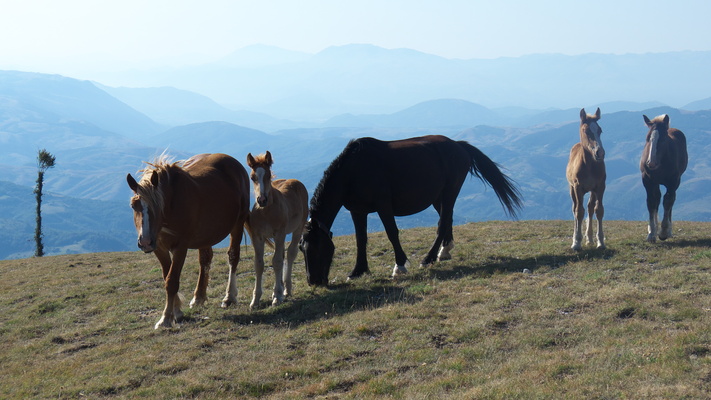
(211, 198)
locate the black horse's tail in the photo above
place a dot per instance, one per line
(488, 171)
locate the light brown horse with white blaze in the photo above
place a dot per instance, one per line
(664, 160)
(281, 208)
(586, 173)
(190, 205)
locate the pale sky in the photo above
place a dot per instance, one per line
(74, 37)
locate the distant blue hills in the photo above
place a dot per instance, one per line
(99, 134)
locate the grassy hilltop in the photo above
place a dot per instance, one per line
(632, 321)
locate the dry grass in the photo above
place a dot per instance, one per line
(632, 321)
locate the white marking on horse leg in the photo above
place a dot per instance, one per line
(577, 234)
(600, 235)
(199, 301)
(257, 292)
(171, 313)
(400, 269)
(444, 252)
(652, 229)
(589, 230)
(231, 292)
(278, 265)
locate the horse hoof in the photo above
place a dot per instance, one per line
(576, 247)
(228, 302)
(400, 269)
(166, 323)
(601, 246)
(195, 302)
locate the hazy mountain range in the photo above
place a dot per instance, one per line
(99, 133)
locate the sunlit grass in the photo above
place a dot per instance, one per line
(626, 322)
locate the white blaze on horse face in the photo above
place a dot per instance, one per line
(597, 148)
(261, 187)
(653, 144)
(144, 234)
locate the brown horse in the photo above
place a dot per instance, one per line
(586, 173)
(281, 208)
(193, 205)
(664, 160)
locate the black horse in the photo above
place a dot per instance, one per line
(664, 159)
(395, 178)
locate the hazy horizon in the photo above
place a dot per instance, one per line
(85, 39)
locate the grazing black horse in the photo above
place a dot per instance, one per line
(664, 159)
(395, 178)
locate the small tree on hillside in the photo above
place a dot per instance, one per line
(45, 161)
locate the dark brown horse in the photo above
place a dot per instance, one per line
(396, 178)
(193, 205)
(586, 173)
(664, 160)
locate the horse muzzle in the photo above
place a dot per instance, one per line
(147, 246)
(262, 201)
(599, 154)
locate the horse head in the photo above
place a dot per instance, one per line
(658, 133)
(147, 204)
(590, 133)
(261, 176)
(318, 249)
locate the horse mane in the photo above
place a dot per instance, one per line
(658, 119)
(148, 190)
(353, 147)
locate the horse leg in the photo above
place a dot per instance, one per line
(401, 263)
(589, 221)
(444, 229)
(172, 313)
(258, 243)
(291, 253)
(653, 197)
(360, 223)
(233, 254)
(576, 194)
(278, 266)
(200, 295)
(444, 237)
(666, 229)
(599, 213)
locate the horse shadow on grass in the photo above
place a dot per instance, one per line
(340, 299)
(323, 303)
(674, 242)
(504, 264)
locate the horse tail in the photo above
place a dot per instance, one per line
(488, 171)
(248, 228)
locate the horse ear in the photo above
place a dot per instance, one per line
(583, 114)
(597, 113)
(647, 121)
(666, 120)
(269, 158)
(250, 160)
(131, 182)
(154, 179)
